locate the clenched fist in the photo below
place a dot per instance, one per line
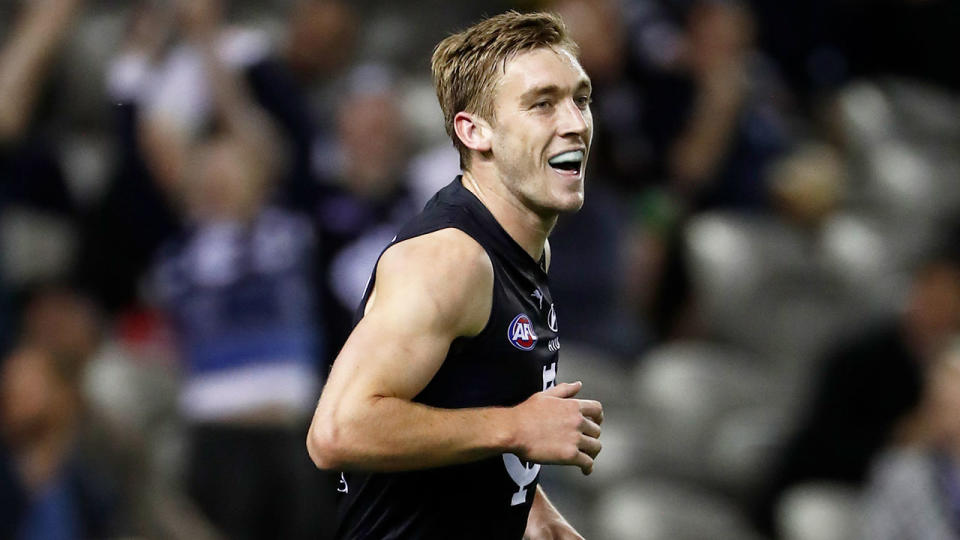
(553, 427)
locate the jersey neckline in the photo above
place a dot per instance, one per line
(512, 248)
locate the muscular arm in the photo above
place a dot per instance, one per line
(430, 290)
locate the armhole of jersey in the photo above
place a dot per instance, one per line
(493, 296)
(371, 282)
(368, 290)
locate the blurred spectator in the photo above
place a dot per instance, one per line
(683, 98)
(913, 491)
(31, 178)
(134, 217)
(622, 153)
(734, 122)
(868, 392)
(368, 199)
(178, 101)
(321, 38)
(236, 286)
(162, 98)
(689, 115)
(64, 323)
(50, 486)
(300, 87)
(725, 120)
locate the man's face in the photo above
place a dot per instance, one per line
(542, 128)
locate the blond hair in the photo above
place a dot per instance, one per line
(465, 64)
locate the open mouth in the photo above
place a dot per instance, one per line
(567, 162)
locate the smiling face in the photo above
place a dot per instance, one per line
(541, 130)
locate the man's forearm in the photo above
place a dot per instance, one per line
(393, 434)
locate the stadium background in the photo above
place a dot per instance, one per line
(763, 287)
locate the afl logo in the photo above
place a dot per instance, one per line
(521, 334)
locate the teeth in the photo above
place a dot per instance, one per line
(567, 157)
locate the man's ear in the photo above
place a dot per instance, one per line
(474, 132)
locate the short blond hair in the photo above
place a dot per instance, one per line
(465, 64)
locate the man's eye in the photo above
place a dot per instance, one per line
(541, 105)
(584, 101)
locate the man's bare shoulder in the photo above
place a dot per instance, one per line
(446, 272)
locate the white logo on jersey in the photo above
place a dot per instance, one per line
(539, 296)
(344, 488)
(523, 473)
(550, 376)
(552, 318)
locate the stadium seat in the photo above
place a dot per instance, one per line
(818, 511)
(651, 509)
(924, 110)
(744, 446)
(684, 389)
(866, 114)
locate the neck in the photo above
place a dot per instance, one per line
(527, 227)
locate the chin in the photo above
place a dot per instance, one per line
(574, 207)
(570, 204)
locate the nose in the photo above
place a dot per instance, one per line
(573, 120)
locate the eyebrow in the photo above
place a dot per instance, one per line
(534, 93)
(584, 83)
(552, 89)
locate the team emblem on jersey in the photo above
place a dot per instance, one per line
(552, 318)
(521, 334)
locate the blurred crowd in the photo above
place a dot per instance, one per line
(763, 287)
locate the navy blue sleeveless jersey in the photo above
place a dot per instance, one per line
(514, 357)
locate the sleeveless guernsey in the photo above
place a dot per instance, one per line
(513, 357)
